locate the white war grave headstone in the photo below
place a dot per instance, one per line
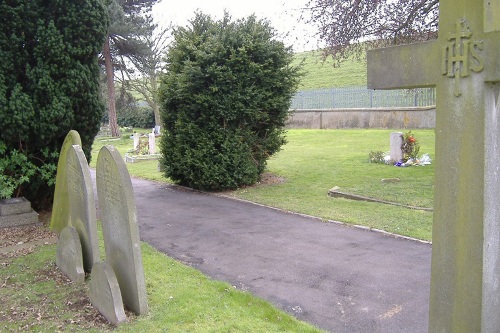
(464, 66)
(396, 141)
(120, 229)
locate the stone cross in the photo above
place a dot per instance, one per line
(464, 66)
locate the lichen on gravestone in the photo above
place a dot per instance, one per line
(60, 207)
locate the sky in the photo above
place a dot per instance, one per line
(283, 14)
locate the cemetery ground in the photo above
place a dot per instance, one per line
(297, 179)
(37, 297)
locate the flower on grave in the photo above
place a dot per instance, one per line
(410, 147)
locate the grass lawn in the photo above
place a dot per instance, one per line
(314, 161)
(37, 297)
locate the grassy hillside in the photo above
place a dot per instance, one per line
(322, 74)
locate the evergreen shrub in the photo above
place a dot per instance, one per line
(49, 84)
(224, 101)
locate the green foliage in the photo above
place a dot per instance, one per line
(224, 100)
(48, 86)
(132, 113)
(410, 147)
(377, 156)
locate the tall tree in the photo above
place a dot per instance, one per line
(344, 24)
(130, 20)
(225, 99)
(145, 76)
(49, 84)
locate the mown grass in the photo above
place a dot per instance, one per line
(37, 298)
(314, 161)
(320, 74)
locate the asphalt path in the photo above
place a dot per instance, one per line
(336, 277)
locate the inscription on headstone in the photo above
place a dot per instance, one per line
(120, 229)
(464, 65)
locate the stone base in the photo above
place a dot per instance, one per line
(16, 212)
(19, 220)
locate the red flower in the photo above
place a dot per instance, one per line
(411, 139)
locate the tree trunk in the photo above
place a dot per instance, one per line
(156, 107)
(110, 80)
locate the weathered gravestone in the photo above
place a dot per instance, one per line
(464, 65)
(60, 208)
(121, 231)
(152, 144)
(69, 257)
(81, 202)
(105, 293)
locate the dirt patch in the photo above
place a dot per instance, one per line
(268, 178)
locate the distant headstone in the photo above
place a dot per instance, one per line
(464, 65)
(60, 208)
(152, 144)
(69, 256)
(82, 214)
(16, 212)
(396, 141)
(120, 229)
(105, 293)
(157, 130)
(136, 140)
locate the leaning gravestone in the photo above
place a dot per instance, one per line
(81, 202)
(121, 231)
(464, 65)
(60, 208)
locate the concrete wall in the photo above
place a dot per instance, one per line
(411, 118)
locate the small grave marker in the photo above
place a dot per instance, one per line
(464, 65)
(69, 256)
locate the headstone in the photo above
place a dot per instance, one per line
(464, 65)
(152, 144)
(136, 141)
(120, 229)
(15, 212)
(105, 293)
(69, 256)
(60, 208)
(157, 130)
(82, 214)
(396, 141)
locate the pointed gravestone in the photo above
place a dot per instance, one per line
(81, 203)
(119, 225)
(464, 65)
(60, 208)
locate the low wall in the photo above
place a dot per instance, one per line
(412, 118)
